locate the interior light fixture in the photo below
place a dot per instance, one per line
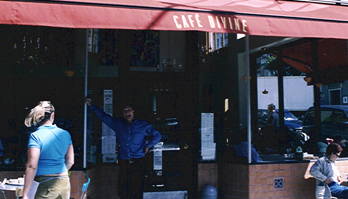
(265, 92)
(318, 85)
(245, 77)
(307, 79)
(70, 73)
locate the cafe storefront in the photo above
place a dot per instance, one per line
(164, 67)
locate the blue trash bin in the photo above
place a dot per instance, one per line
(209, 192)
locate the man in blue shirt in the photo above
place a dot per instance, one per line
(273, 117)
(242, 149)
(134, 138)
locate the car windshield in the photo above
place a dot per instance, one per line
(263, 115)
(289, 116)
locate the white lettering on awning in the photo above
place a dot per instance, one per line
(244, 25)
(176, 22)
(191, 21)
(236, 24)
(220, 22)
(230, 22)
(186, 25)
(211, 21)
(223, 20)
(198, 21)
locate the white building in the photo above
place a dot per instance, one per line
(297, 95)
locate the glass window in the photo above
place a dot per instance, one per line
(325, 115)
(339, 116)
(40, 64)
(35, 49)
(144, 48)
(263, 115)
(108, 47)
(225, 39)
(93, 40)
(289, 116)
(219, 40)
(213, 41)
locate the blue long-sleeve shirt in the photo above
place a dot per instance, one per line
(131, 138)
(241, 150)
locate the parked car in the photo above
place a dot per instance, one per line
(334, 120)
(290, 120)
(283, 139)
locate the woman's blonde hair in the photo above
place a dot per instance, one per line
(40, 114)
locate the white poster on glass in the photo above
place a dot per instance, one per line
(157, 156)
(208, 147)
(109, 144)
(106, 131)
(108, 135)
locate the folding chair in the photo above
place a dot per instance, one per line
(19, 192)
(84, 189)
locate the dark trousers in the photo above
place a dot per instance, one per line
(130, 183)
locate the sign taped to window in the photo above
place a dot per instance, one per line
(157, 156)
(106, 131)
(108, 144)
(208, 146)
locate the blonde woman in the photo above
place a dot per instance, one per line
(50, 155)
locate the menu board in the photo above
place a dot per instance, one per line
(108, 135)
(108, 144)
(208, 146)
(106, 131)
(157, 157)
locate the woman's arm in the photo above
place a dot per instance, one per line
(30, 170)
(317, 170)
(69, 157)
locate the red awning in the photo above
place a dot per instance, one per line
(333, 60)
(253, 17)
(332, 54)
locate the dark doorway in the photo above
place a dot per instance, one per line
(335, 97)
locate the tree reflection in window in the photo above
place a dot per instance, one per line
(42, 50)
(144, 48)
(109, 47)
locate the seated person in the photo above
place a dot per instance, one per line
(327, 176)
(339, 139)
(241, 149)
